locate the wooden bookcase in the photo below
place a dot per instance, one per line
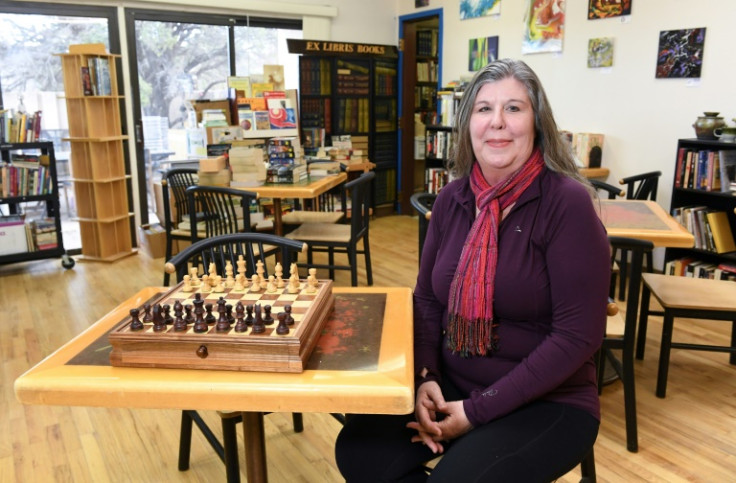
(351, 89)
(97, 155)
(687, 195)
(438, 142)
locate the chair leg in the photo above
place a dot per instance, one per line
(168, 257)
(368, 267)
(353, 261)
(230, 445)
(331, 262)
(732, 359)
(641, 338)
(664, 354)
(587, 468)
(632, 439)
(622, 274)
(185, 441)
(297, 420)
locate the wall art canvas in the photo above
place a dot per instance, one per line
(600, 52)
(479, 8)
(421, 3)
(680, 53)
(481, 52)
(544, 26)
(608, 8)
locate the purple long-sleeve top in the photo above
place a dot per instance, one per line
(551, 292)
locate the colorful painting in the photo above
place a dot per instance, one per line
(600, 52)
(421, 3)
(482, 52)
(680, 53)
(545, 26)
(479, 8)
(608, 8)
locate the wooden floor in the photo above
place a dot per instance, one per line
(689, 436)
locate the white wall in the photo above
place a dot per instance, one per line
(641, 117)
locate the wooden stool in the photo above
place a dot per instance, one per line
(686, 297)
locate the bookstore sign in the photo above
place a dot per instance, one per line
(328, 47)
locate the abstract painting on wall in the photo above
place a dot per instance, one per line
(608, 8)
(482, 52)
(544, 26)
(479, 8)
(600, 52)
(680, 53)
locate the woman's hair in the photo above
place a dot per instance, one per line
(557, 151)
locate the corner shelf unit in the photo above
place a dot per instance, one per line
(713, 200)
(97, 155)
(438, 142)
(47, 193)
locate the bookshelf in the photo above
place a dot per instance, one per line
(351, 89)
(438, 141)
(97, 156)
(704, 202)
(27, 179)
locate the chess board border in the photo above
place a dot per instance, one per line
(223, 351)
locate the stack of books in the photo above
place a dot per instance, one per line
(285, 161)
(247, 166)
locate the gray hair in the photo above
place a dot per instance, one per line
(557, 152)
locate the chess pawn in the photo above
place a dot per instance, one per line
(241, 265)
(260, 270)
(282, 329)
(278, 270)
(294, 270)
(280, 282)
(193, 276)
(271, 287)
(255, 284)
(212, 271)
(258, 326)
(136, 323)
(205, 288)
(240, 324)
(187, 287)
(218, 288)
(294, 284)
(238, 286)
(229, 279)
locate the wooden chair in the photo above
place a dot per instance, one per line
(342, 239)
(422, 203)
(220, 250)
(329, 207)
(688, 298)
(219, 210)
(621, 333)
(638, 187)
(174, 183)
(612, 192)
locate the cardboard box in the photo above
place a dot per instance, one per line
(213, 164)
(201, 105)
(153, 240)
(13, 238)
(159, 197)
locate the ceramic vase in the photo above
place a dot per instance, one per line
(705, 125)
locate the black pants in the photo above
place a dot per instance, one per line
(536, 443)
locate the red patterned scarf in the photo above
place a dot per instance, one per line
(470, 326)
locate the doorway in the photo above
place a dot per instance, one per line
(420, 77)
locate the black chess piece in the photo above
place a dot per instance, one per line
(180, 324)
(159, 323)
(240, 325)
(282, 328)
(222, 324)
(289, 318)
(229, 313)
(258, 326)
(249, 318)
(210, 317)
(188, 317)
(168, 319)
(199, 323)
(147, 313)
(136, 323)
(267, 318)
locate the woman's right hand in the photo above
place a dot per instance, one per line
(429, 402)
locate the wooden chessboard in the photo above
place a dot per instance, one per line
(228, 349)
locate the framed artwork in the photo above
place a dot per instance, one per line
(608, 8)
(481, 52)
(600, 52)
(479, 8)
(544, 26)
(421, 3)
(680, 53)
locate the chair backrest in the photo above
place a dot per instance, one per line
(220, 210)
(422, 203)
(227, 248)
(359, 191)
(642, 186)
(174, 183)
(612, 191)
(638, 249)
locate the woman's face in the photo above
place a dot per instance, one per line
(502, 128)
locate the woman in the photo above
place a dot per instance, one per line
(509, 306)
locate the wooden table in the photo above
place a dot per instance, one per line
(362, 364)
(594, 172)
(645, 220)
(309, 188)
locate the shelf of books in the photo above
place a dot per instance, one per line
(30, 226)
(704, 200)
(97, 159)
(438, 143)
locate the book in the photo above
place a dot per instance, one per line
(281, 114)
(262, 120)
(86, 81)
(246, 119)
(727, 167)
(721, 229)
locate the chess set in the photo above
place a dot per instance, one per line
(229, 323)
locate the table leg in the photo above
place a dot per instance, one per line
(255, 447)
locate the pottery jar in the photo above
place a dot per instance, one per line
(705, 125)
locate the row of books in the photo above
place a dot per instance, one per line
(353, 115)
(710, 228)
(315, 77)
(435, 179)
(448, 102)
(385, 79)
(274, 110)
(691, 267)
(424, 97)
(19, 127)
(438, 144)
(96, 77)
(24, 178)
(706, 169)
(18, 236)
(427, 71)
(427, 42)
